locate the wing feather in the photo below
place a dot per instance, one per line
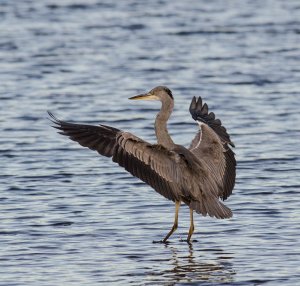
(200, 113)
(210, 145)
(148, 162)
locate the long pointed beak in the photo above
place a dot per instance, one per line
(144, 96)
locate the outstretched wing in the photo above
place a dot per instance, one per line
(172, 173)
(210, 145)
(153, 164)
(200, 113)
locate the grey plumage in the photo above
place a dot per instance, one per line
(198, 176)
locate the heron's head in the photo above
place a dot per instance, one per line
(161, 93)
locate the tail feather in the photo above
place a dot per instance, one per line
(212, 207)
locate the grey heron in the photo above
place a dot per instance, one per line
(199, 176)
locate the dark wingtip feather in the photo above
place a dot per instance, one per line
(55, 126)
(51, 115)
(204, 110)
(193, 104)
(199, 104)
(200, 112)
(53, 119)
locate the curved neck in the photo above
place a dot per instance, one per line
(161, 130)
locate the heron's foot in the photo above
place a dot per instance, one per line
(188, 241)
(160, 241)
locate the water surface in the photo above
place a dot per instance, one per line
(69, 217)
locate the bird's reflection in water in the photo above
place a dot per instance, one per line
(210, 265)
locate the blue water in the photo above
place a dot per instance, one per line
(70, 217)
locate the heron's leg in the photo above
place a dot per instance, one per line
(191, 230)
(175, 225)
